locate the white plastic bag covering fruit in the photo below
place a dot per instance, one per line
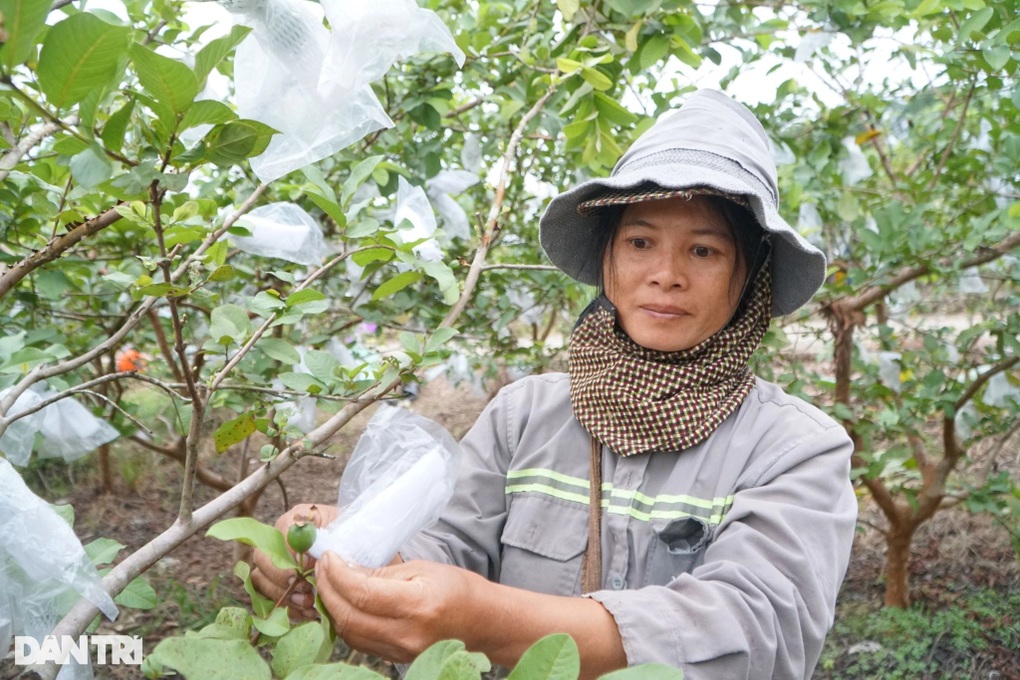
(282, 230)
(400, 477)
(413, 205)
(43, 566)
(313, 85)
(69, 430)
(441, 189)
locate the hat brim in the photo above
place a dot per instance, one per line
(571, 239)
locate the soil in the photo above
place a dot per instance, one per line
(956, 552)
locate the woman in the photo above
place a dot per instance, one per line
(720, 508)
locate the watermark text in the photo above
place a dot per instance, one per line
(113, 650)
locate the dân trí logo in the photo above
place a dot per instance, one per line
(113, 650)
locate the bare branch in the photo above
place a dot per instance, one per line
(84, 387)
(33, 138)
(533, 267)
(961, 119)
(492, 224)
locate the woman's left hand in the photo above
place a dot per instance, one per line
(398, 611)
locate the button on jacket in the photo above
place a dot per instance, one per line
(723, 560)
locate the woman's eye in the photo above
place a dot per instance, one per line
(639, 243)
(702, 251)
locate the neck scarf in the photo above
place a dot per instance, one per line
(637, 400)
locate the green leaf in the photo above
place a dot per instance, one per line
(254, 533)
(260, 604)
(298, 647)
(997, 56)
(137, 595)
(229, 322)
(395, 284)
(22, 21)
(611, 110)
(80, 54)
(975, 22)
(166, 79)
(234, 431)
(334, 671)
(632, 8)
(568, 8)
(235, 142)
(303, 296)
(199, 658)
(274, 625)
(359, 173)
(554, 657)
(116, 126)
(646, 671)
(235, 622)
(439, 338)
(91, 167)
(223, 273)
(322, 365)
(280, 350)
(103, 550)
(25, 360)
(266, 303)
(568, 65)
(216, 50)
(447, 659)
(301, 382)
(206, 112)
(369, 255)
(161, 289)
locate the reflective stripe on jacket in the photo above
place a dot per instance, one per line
(723, 560)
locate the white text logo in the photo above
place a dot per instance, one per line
(110, 649)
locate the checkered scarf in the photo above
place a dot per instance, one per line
(637, 400)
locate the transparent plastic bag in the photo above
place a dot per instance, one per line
(314, 85)
(282, 230)
(68, 429)
(441, 189)
(400, 477)
(43, 567)
(413, 205)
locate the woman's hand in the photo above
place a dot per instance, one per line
(398, 611)
(273, 582)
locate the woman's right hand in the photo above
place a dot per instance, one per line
(274, 582)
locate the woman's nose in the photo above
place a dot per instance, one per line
(668, 272)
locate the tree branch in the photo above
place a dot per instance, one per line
(30, 140)
(874, 293)
(952, 140)
(492, 223)
(55, 248)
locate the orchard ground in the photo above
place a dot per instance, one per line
(964, 623)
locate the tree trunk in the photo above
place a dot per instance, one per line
(897, 564)
(105, 475)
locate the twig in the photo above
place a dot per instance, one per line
(55, 248)
(952, 140)
(32, 139)
(84, 387)
(492, 223)
(533, 267)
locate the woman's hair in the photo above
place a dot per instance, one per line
(747, 234)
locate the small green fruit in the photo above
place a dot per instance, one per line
(301, 536)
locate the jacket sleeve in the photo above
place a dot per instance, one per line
(467, 534)
(763, 599)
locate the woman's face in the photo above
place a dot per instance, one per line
(673, 273)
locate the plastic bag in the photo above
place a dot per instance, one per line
(43, 566)
(69, 430)
(889, 369)
(413, 205)
(400, 477)
(282, 230)
(313, 85)
(441, 190)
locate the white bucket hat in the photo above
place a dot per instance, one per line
(711, 143)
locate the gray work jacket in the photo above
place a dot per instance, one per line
(723, 560)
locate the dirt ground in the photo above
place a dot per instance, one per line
(955, 550)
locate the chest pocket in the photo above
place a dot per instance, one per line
(543, 541)
(678, 547)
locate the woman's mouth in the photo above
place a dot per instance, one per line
(664, 311)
